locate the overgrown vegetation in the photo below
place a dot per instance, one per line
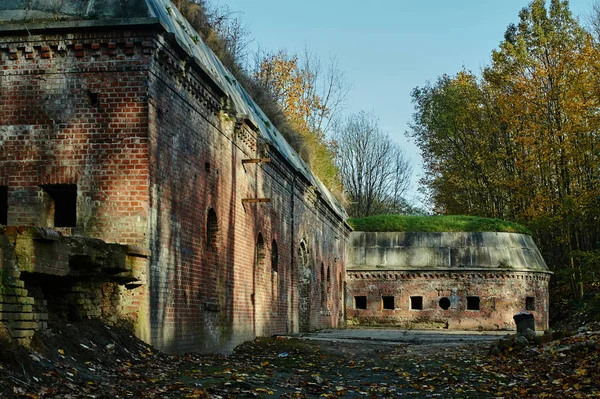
(434, 224)
(520, 141)
(298, 94)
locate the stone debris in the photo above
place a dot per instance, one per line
(588, 337)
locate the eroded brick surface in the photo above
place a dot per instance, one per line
(44, 274)
(150, 147)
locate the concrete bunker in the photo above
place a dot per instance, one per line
(467, 281)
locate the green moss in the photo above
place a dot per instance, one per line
(434, 224)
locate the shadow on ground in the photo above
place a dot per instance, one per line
(84, 360)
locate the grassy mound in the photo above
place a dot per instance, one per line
(434, 224)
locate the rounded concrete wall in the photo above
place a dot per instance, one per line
(465, 281)
(439, 251)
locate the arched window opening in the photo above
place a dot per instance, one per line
(323, 287)
(303, 254)
(260, 251)
(274, 257)
(274, 276)
(340, 293)
(328, 284)
(306, 288)
(212, 230)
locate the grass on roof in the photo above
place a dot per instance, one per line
(434, 224)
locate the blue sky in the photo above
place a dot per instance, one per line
(386, 48)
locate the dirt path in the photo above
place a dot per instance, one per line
(93, 361)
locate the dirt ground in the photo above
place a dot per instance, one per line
(91, 360)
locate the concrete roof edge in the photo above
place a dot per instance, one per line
(445, 270)
(35, 26)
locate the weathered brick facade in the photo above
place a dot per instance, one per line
(112, 131)
(461, 281)
(154, 191)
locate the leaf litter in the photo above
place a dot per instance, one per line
(90, 360)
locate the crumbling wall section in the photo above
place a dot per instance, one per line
(46, 275)
(73, 157)
(22, 313)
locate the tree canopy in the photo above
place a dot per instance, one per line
(521, 141)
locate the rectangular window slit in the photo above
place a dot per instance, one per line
(472, 303)
(360, 302)
(416, 303)
(530, 303)
(388, 302)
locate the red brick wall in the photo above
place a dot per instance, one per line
(151, 150)
(501, 294)
(215, 296)
(73, 111)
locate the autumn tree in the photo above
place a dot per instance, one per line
(375, 173)
(456, 125)
(310, 94)
(521, 142)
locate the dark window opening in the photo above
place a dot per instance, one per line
(472, 303)
(416, 303)
(65, 203)
(360, 302)
(212, 229)
(444, 303)
(530, 303)
(274, 276)
(207, 167)
(303, 255)
(328, 284)
(260, 251)
(93, 98)
(388, 302)
(323, 287)
(4, 205)
(274, 256)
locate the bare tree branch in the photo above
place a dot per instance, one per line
(374, 171)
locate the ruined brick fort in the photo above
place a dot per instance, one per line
(458, 280)
(140, 183)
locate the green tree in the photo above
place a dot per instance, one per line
(522, 141)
